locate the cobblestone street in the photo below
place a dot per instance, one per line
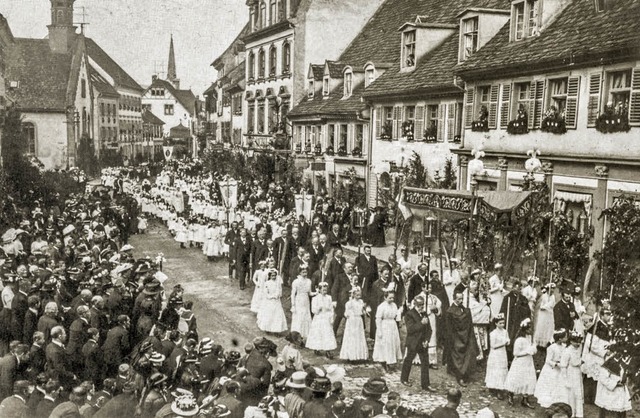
(223, 314)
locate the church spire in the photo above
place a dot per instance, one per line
(172, 77)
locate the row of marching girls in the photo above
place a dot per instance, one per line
(561, 378)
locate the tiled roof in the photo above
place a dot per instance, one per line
(317, 71)
(433, 72)
(308, 106)
(231, 49)
(235, 76)
(334, 104)
(101, 84)
(210, 90)
(120, 76)
(42, 74)
(379, 39)
(335, 69)
(578, 34)
(149, 117)
(186, 97)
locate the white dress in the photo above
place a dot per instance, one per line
(572, 379)
(497, 365)
(496, 294)
(387, 344)
(300, 306)
(611, 395)
(259, 279)
(521, 379)
(271, 317)
(321, 335)
(548, 390)
(543, 333)
(181, 232)
(354, 342)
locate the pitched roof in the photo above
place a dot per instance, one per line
(579, 34)
(237, 41)
(335, 69)
(308, 106)
(43, 75)
(149, 117)
(317, 70)
(379, 39)
(210, 90)
(235, 76)
(186, 97)
(433, 72)
(334, 104)
(101, 84)
(120, 76)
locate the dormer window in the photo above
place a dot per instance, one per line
(470, 37)
(602, 5)
(311, 88)
(325, 86)
(525, 19)
(348, 83)
(369, 76)
(409, 49)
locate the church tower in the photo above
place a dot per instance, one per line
(172, 77)
(61, 30)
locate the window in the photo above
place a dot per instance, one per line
(272, 119)
(409, 49)
(348, 83)
(619, 90)
(359, 136)
(601, 5)
(370, 76)
(332, 136)
(251, 116)
(521, 92)
(251, 66)
(83, 88)
(325, 86)
(484, 94)
(286, 57)
(263, 15)
(558, 94)
(525, 17)
(261, 63)
(387, 115)
(519, 21)
(168, 109)
(470, 37)
(343, 136)
(273, 61)
(261, 124)
(410, 119)
(29, 132)
(146, 107)
(273, 16)
(532, 24)
(101, 109)
(252, 19)
(311, 87)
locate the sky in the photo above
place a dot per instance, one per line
(136, 33)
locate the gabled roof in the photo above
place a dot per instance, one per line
(179, 131)
(579, 36)
(211, 90)
(43, 75)
(333, 105)
(235, 76)
(120, 76)
(316, 71)
(186, 97)
(149, 117)
(101, 84)
(231, 49)
(433, 73)
(334, 69)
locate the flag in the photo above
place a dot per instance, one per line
(404, 210)
(168, 152)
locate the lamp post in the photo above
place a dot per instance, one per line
(476, 168)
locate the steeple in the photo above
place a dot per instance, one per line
(61, 29)
(172, 77)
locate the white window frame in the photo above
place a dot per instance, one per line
(557, 96)
(525, 18)
(470, 36)
(409, 49)
(311, 86)
(612, 90)
(369, 76)
(348, 83)
(325, 85)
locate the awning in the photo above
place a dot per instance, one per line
(572, 197)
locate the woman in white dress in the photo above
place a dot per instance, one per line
(300, 306)
(259, 280)
(496, 291)
(181, 232)
(572, 374)
(543, 334)
(354, 342)
(271, 317)
(521, 379)
(497, 364)
(387, 343)
(321, 337)
(548, 391)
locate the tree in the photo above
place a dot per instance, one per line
(448, 180)
(350, 191)
(416, 173)
(87, 160)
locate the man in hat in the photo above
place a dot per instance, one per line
(564, 313)
(372, 391)
(155, 395)
(229, 398)
(317, 406)
(294, 401)
(417, 343)
(258, 365)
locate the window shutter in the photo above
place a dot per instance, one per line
(458, 120)
(397, 122)
(536, 94)
(418, 127)
(441, 111)
(468, 108)
(593, 107)
(504, 106)
(493, 106)
(571, 111)
(634, 101)
(451, 121)
(379, 115)
(351, 137)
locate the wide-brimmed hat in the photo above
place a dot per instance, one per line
(157, 358)
(320, 384)
(297, 380)
(375, 386)
(68, 229)
(152, 288)
(157, 378)
(295, 337)
(185, 406)
(232, 356)
(126, 247)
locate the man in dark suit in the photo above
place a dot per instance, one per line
(564, 313)
(417, 281)
(241, 257)
(273, 252)
(515, 308)
(335, 266)
(340, 292)
(116, 345)
(19, 308)
(333, 237)
(78, 336)
(259, 250)
(93, 358)
(230, 239)
(418, 335)
(257, 364)
(9, 364)
(37, 358)
(316, 253)
(98, 317)
(375, 298)
(294, 265)
(16, 405)
(30, 323)
(57, 363)
(265, 226)
(367, 267)
(304, 228)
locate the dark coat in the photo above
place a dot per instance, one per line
(260, 368)
(37, 361)
(241, 251)
(45, 325)
(8, 374)
(78, 335)
(116, 345)
(562, 315)
(367, 271)
(44, 408)
(315, 257)
(93, 361)
(415, 286)
(58, 365)
(317, 408)
(259, 252)
(19, 308)
(123, 405)
(334, 267)
(29, 326)
(340, 289)
(210, 367)
(417, 332)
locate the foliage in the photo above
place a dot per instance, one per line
(350, 191)
(449, 179)
(113, 158)
(613, 120)
(416, 172)
(569, 249)
(621, 268)
(87, 160)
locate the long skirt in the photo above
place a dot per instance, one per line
(321, 335)
(271, 317)
(387, 345)
(521, 379)
(354, 342)
(497, 369)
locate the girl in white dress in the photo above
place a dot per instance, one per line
(200, 232)
(496, 292)
(612, 394)
(271, 317)
(321, 337)
(572, 374)
(259, 279)
(354, 342)
(387, 343)
(300, 306)
(142, 224)
(181, 232)
(497, 364)
(543, 334)
(521, 379)
(548, 391)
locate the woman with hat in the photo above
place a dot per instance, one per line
(387, 342)
(300, 306)
(354, 342)
(185, 406)
(543, 333)
(372, 391)
(571, 373)
(318, 406)
(321, 336)
(497, 365)
(271, 317)
(291, 352)
(548, 391)
(521, 378)
(294, 401)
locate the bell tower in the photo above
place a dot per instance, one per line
(61, 30)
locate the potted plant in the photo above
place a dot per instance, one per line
(407, 130)
(431, 133)
(482, 123)
(317, 149)
(520, 124)
(342, 150)
(385, 132)
(613, 119)
(329, 150)
(553, 121)
(356, 151)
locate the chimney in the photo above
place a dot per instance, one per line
(154, 77)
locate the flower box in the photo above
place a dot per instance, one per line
(407, 130)
(431, 134)
(520, 125)
(554, 123)
(356, 152)
(298, 148)
(329, 150)
(613, 120)
(481, 125)
(385, 132)
(342, 151)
